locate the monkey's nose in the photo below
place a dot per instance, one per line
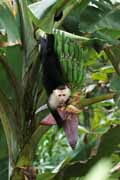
(62, 100)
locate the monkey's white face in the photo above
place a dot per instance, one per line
(59, 97)
(62, 95)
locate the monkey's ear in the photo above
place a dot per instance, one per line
(55, 91)
(67, 87)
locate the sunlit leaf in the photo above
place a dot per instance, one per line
(9, 23)
(101, 171)
(99, 76)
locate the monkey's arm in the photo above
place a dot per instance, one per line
(57, 117)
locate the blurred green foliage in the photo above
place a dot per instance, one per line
(90, 56)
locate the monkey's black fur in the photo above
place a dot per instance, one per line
(52, 71)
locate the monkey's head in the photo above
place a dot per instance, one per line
(59, 97)
(62, 94)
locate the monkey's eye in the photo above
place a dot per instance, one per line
(63, 94)
(59, 95)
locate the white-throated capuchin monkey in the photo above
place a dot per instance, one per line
(57, 90)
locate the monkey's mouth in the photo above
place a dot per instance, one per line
(62, 103)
